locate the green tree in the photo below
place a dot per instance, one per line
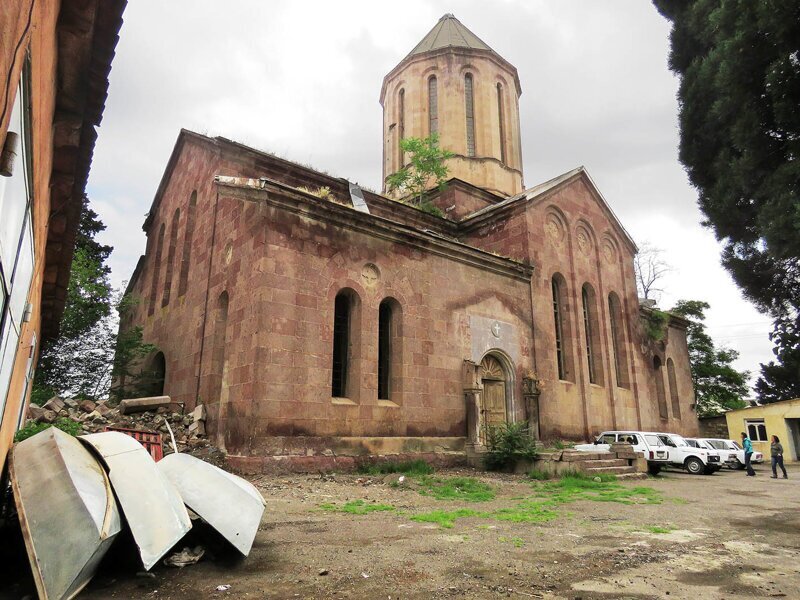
(426, 168)
(739, 65)
(718, 386)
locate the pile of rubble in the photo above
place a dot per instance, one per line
(140, 414)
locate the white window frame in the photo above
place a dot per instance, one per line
(756, 423)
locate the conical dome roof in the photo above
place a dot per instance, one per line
(449, 32)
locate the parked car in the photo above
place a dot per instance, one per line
(697, 461)
(734, 451)
(714, 464)
(646, 443)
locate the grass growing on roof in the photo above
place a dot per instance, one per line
(456, 488)
(356, 507)
(406, 467)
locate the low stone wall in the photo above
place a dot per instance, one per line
(307, 454)
(563, 461)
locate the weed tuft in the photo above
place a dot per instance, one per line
(538, 475)
(407, 467)
(66, 425)
(456, 488)
(447, 519)
(356, 507)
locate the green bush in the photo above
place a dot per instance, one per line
(431, 209)
(507, 444)
(66, 425)
(538, 475)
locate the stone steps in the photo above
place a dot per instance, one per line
(606, 462)
(618, 470)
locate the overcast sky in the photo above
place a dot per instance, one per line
(302, 78)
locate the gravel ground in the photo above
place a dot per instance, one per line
(721, 536)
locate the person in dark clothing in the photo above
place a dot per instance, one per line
(748, 454)
(776, 451)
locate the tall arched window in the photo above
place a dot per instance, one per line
(390, 349)
(156, 269)
(186, 258)
(433, 106)
(618, 341)
(562, 328)
(401, 125)
(661, 396)
(218, 355)
(173, 243)
(469, 104)
(673, 389)
(345, 345)
(592, 333)
(501, 119)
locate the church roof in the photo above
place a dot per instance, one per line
(449, 32)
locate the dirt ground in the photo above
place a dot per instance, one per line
(722, 536)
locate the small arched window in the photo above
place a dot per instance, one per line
(401, 125)
(592, 334)
(501, 119)
(661, 396)
(186, 257)
(469, 104)
(673, 389)
(618, 341)
(433, 106)
(562, 328)
(173, 243)
(345, 345)
(156, 264)
(390, 349)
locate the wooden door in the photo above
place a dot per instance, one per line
(493, 409)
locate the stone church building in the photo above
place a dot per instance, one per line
(315, 319)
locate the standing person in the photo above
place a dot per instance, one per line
(776, 451)
(748, 453)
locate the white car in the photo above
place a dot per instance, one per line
(734, 452)
(696, 461)
(646, 443)
(714, 464)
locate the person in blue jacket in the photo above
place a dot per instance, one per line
(748, 453)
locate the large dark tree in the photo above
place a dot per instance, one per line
(718, 386)
(739, 64)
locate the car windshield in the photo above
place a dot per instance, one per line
(718, 444)
(693, 443)
(735, 445)
(679, 441)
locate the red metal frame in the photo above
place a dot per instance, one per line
(151, 440)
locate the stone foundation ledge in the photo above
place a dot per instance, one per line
(313, 455)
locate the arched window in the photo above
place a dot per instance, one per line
(501, 119)
(592, 333)
(618, 341)
(401, 125)
(156, 264)
(345, 345)
(433, 106)
(562, 328)
(183, 282)
(469, 104)
(218, 355)
(673, 389)
(173, 243)
(660, 393)
(390, 349)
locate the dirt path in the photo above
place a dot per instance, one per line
(724, 536)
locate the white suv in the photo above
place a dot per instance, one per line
(644, 442)
(733, 453)
(716, 458)
(696, 461)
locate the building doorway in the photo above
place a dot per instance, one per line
(494, 380)
(793, 445)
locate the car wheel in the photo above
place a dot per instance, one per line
(653, 469)
(695, 466)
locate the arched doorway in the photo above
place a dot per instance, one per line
(154, 375)
(495, 381)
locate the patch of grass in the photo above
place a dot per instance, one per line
(517, 541)
(406, 467)
(573, 487)
(530, 511)
(64, 424)
(456, 488)
(659, 529)
(446, 519)
(539, 475)
(678, 500)
(356, 507)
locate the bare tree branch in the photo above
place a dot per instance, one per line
(650, 268)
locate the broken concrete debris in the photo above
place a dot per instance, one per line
(187, 556)
(134, 405)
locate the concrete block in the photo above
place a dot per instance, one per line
(35, 412)
(134, 405)
(55, 404)
(87, 406)
(199, 413)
